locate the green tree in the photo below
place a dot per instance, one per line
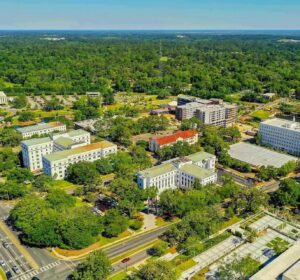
(60, 199)
(42, 182)
(10, 137)
(26, 116)
(158, 249)
(20, 101)
(288, 194)
(156, 270)
(20, 175)
(192, 246)
(83, 173)
(238, 269)
(114, 223)
(96, 266)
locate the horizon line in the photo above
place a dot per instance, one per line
(150, 29)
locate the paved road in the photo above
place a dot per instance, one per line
(238, 179)
(137, 258)
(134, 243)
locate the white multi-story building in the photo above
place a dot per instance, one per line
(41, 129)
(180, 173)
(281, 134)
(56, 164)
(34, 149)
(3, 98)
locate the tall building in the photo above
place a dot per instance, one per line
(34, 149)
(281, 134)
(41, 129)
(188, 136)
(180, 172)
(3, 98)
(56, 164)
(213, 111)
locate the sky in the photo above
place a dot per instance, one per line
(149, 14)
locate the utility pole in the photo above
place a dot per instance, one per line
(160, 61)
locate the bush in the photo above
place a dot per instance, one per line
(136, 225)
(158, 249)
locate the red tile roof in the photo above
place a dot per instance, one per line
(173, 138)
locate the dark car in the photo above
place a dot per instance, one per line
(35, 278)
(8, 275)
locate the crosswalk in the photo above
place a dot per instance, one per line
(31, 273)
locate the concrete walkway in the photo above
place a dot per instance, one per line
(211, 255)
(149, 222)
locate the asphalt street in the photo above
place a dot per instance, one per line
(134, 243)
(238, 179)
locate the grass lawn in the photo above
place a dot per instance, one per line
(183, 266)
(64, 185)
(278, 245)
(119, 276)
(104, 240)
(252, 220)
(160, 221)
(164, 59)
(2, 274)
(201, 274)
(231, 222)
(260, 115)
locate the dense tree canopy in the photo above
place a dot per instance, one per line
(55, 221)
(213, 65)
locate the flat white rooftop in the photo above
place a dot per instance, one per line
(289, 260)
(258, 156)
(287, 124)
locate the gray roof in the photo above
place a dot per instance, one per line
(39, 126)
(36, 141)
(258, 156)
(77, 132)
(287, 124)
(196, 171)
(158, 170)
(200, 156)
(79, 150)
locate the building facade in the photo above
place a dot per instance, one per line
(3, 98)
(56, 164)
(41, 129)
(188, 136)
(212, 112)
(180, 173)
(281, 134)
(34, 149)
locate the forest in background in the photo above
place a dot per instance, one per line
(164, 64)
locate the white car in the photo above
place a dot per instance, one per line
(2, 263)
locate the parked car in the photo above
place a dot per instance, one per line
(16, 269)
(5, 244)
(2, 263)
(8, 275)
